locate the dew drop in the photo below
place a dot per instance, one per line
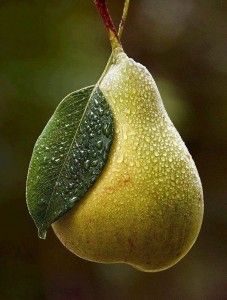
(94, 162)
(107, 130)
(99, 144)
(87, 164)
(73, 199)
(156, 153)
(120, 159)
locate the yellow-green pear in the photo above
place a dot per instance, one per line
(146, 207)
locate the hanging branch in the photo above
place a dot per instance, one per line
(105, 15)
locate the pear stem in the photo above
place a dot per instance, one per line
(123, 18)
(104, 13)
(120, 31)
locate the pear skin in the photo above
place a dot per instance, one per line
(146, 207)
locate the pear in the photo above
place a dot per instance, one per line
(146, 207)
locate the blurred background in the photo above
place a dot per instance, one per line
(53, 47)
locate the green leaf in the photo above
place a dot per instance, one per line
(69, 155)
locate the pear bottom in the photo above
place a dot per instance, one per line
(147, 241)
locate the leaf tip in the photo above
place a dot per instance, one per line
(42, 233)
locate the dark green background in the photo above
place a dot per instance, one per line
(50, 48)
